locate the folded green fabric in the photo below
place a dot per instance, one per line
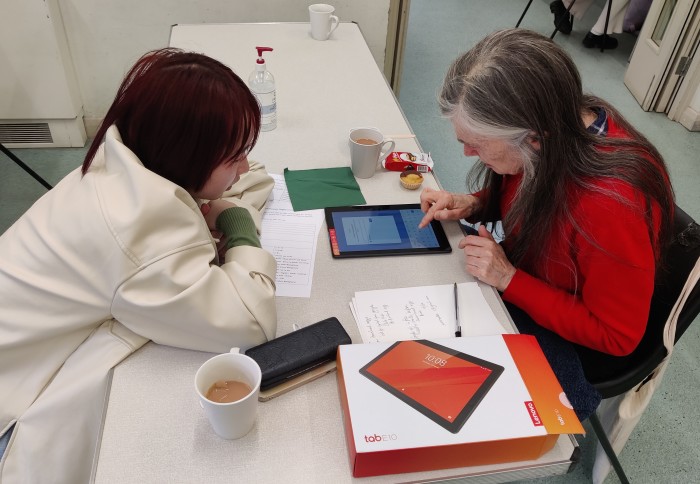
(322, 187)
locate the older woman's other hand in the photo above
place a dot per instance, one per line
(442, 205)
(486, 260)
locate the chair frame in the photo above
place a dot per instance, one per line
(684, 252)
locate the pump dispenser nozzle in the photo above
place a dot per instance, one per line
(260, 53)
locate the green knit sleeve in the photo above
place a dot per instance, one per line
(238, 226)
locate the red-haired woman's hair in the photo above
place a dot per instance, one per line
(182, 114)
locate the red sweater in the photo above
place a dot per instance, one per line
(602, 302)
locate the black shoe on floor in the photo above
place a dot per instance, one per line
(601, 41)
(563, 20)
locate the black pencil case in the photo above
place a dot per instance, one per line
(292, 354)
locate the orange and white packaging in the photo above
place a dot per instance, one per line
(404, 160)
(426, 405)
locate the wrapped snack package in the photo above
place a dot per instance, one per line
(403, 160)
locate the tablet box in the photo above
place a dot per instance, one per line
(425, 405)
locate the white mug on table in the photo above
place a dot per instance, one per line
(323, 22)
(232, 419)
(368, 148)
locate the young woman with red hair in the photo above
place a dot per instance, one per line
(121, 251)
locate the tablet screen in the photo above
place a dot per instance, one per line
(443, 384)
(383, 230)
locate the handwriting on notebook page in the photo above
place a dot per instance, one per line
(422, 312)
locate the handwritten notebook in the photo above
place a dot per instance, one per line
(423, 312)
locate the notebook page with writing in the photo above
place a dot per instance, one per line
(422, 312)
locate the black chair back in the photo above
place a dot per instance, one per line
(613, 375)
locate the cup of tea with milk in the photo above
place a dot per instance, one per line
(368, 148)
(228, 386)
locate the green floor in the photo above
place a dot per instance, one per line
(18, 190)
(664, 447)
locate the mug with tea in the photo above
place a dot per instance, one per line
(228, 386)
(368, 148)
(323, 22)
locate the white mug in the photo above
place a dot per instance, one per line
(323, 22)
(368, 149)
(234, 419)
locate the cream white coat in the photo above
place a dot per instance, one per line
(97, 267)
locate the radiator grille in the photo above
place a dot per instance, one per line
(25, 133)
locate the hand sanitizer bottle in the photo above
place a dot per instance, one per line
(262, 83)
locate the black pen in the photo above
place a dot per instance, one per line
(458, 331)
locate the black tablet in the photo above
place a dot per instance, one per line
(373, 230)
(443, 384)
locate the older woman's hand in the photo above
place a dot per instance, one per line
(442, 205)
(486, 260)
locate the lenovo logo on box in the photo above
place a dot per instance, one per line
(532, 411)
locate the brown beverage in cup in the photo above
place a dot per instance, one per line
(226, 391)
(366, 141)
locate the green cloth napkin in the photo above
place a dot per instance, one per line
(322, 187)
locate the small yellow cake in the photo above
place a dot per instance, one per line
(411, 179)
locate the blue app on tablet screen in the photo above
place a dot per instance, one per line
(363, 230)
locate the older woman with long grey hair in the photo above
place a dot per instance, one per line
(585, 202)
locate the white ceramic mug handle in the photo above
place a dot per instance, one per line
(235, 350)
(384, 153)
(335, 21)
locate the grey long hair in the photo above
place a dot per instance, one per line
(517, 86)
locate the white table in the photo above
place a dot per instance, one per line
(154, 430)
